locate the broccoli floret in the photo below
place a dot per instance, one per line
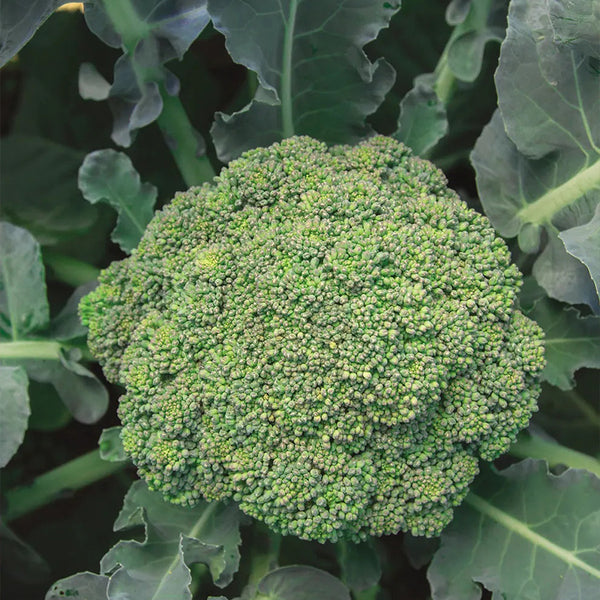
(326, 335)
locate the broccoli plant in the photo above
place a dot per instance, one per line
(329, 337)
(305, 296)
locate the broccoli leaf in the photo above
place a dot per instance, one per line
(111, 445)
(419, 550)
(82, 585)
(563, 276)
(14, 411)
(538, 161)
(301, 583)
(79, 389)
(154, 569)
(66, 325)
(477, 23)
(207, 533)
(304, 53)
(107, 175)
(360, 565)
(20, 560)
(583, 242)
(151, 33)
(49, 203)
(422, 122)
(23, 303)
(547, 93)
(572, 341)
(572, 417)
(522, 533)
(48, 411)
(576, 23)
(19, 21)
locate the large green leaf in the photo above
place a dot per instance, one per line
(577, 23)
(314, 77)
(79, 389)
(571, 341)
(301, 583)
(422, 121)
(523, 533)
(14, 411)
(176, 537)
(153, 569)
(49, 204)
(109, 176)
(538, 161)
(547, 92)
(66, 325)
(19, 21)
(19, 560)
(360, 565)
(23, 304)
(583, 243)
(88, 586)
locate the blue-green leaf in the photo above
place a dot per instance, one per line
(150, 569)
(66, 325)
(111, 445)
(422, 122)
(563, 276)
(576, 23)
(583, 242)
(82, 586)
(109, 176)
(49, 203)
(14, 411)
(538, 161)
(19, 21)
(314, 77)
(360, 565)
(20, 560)
(23, 303)
(571, 341)
(302, 583)
(79, 389)
(523, 533)
(207, 533)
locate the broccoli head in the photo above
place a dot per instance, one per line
(328, 336)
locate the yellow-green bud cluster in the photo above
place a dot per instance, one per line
(327, 336)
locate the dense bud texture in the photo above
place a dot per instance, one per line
(327, 336)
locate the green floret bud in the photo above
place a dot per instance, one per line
(328, 336)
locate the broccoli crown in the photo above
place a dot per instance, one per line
(326, 335)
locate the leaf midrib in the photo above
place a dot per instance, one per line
(520, 528)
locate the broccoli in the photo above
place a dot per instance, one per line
(328, 336)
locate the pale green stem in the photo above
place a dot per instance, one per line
(183, 141)
(39, 350)
(70, 270)
(31, 349)
(445, 80)
(546, 206)
(528, 446)
(264, 562)
(591, 415)
(50, 486)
